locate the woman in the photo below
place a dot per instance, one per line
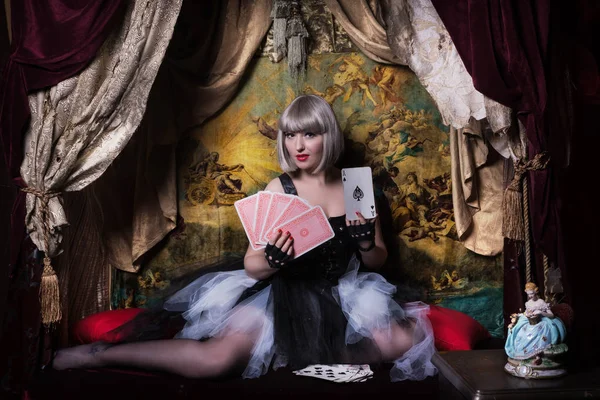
(284, 311)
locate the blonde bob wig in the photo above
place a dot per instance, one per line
(310, 113)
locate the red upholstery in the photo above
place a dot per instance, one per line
(455, 330)
(97, 327)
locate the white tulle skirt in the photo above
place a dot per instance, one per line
(210, 307)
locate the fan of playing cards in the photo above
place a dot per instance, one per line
(339, 373)
(265, 212)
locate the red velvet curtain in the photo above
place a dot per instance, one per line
(505, 47)
(543, 59)
(580, 202)
(51, 41)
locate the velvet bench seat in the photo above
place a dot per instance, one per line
(113, 384)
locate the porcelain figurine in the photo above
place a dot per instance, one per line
(535, 343)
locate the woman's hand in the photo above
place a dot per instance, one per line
(279, 250)
(362, 231)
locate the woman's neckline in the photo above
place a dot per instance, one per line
(291, 182)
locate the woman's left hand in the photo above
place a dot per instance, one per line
(362, 230)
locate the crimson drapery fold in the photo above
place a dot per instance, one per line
(51, 41)
(505, 47)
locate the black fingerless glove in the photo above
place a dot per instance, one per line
(363, 233)
(275, 257)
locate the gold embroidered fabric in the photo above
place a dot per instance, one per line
(204, 87)
(79, 126)
(358, 18)
(415, 36)
(326, 35)
(197, 78)
(410, 32)
(477, 187)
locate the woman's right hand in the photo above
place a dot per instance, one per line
(279, 250)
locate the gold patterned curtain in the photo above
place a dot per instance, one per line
(79, 126)
(477, 176)
(409, 32)
(213, 44)
(361, 20)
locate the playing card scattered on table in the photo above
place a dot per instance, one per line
(263, 213)
(358, 192)
(339, 373)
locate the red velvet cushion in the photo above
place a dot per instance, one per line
(454, 330)
(97, 326)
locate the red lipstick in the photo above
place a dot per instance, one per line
(302, 157)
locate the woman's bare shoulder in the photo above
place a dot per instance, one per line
(275, 186)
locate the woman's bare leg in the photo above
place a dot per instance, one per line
(399, 342)
(185, 357)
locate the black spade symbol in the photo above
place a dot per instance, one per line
(358, 194)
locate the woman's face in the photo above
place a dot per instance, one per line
(306, 148)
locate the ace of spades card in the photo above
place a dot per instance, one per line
(358, 192)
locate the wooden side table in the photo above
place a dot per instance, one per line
(479, 374)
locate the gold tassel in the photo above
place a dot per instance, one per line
(49, 295)
(280, 14)
(49, 289)
(513, 226)
(297, 35)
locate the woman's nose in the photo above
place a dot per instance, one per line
(299, 142)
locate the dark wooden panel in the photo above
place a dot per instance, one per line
(479, 374)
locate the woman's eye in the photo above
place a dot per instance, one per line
(289, 135)
(309, 134)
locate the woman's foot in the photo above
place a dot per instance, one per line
(84, 356)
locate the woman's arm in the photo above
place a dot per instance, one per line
(375, 257)
(256, 264)
(547, 312)
(255, 261)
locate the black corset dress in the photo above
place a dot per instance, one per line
(320, 309)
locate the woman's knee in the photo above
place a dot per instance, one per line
(221, 356)
(395, 341)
